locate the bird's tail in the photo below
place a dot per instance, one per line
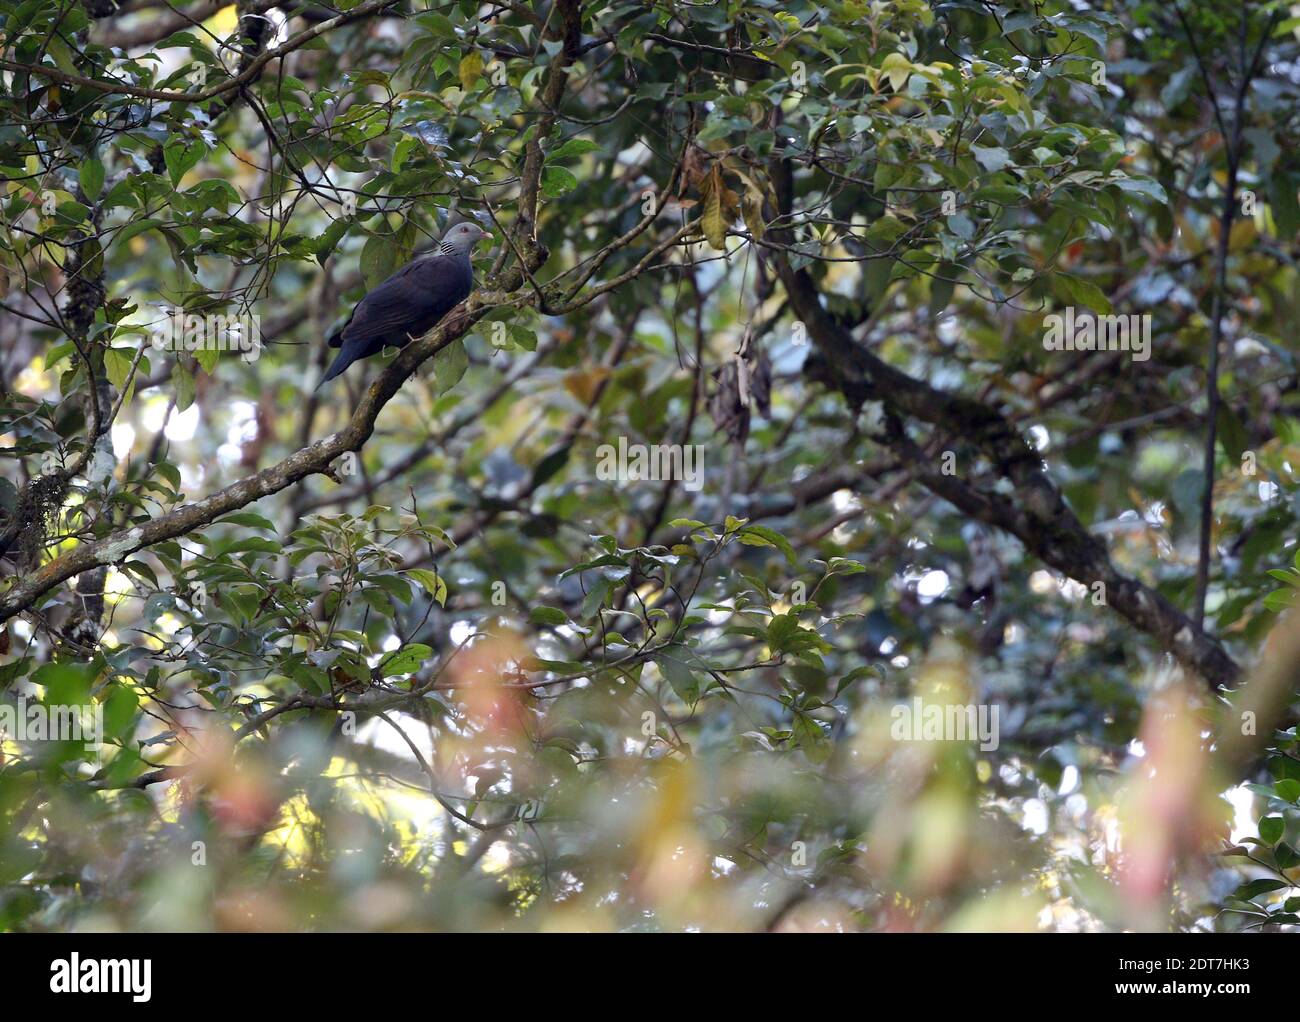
(344, 359)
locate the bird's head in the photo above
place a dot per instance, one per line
(462, 238)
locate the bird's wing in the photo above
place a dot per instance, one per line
(336, 338)
(409, 302)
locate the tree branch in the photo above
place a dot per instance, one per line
(316, 458)
(1038, 516)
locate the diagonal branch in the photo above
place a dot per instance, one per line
(316, 458)
(1036, 514)
(311, 460)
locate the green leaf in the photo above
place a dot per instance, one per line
(208, 357)
(1286, 204)
(247, 519)
(438, 25)
(379, 259)
(1254, 888)
(992, 158)
(809, 736)
(941, 289)
(183, 381)
(66, 683)
(1279, 600)
(119, 711)
(62, 53)
(1002, 195)
(780, 630)
(557, 181)
(573, 147)
(1142, 186)
(1082, 292)
(680, 677)
(181, 156)
(432, 584)
(117, 364)
(1288, 790)
(329, 239)
(522, 337)
(551, 616)
(1270, 829)
(91, 175)
(133, 228)
(1232, 434)
(449, 365)
(761, 535)
(550, 465)
(393, 585)
(406, 660)
(17, 859)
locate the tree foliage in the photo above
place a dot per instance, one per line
(446, 644)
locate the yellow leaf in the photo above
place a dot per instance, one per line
(896, 68)
(471, 69)
(224, 21)
(583, 384)
(712, 223)
(752, 209)
(1242, 235)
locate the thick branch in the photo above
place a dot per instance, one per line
(1038, 515)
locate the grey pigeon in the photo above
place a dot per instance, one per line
(410, 302)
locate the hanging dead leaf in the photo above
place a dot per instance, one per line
(582, 383)
(729, 413)
(711, 222)
(751, 207)
(694, 172)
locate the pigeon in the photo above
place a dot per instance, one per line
(410, 302)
